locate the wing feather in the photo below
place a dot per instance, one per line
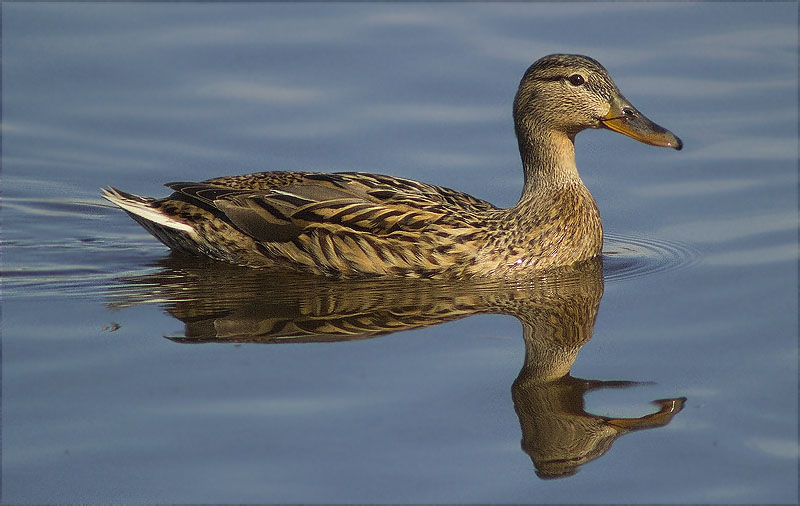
(338, 221)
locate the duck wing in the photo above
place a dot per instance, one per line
(280, 206)
(373, 187)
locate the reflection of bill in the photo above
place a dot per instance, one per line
(557, 308)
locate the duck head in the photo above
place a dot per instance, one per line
(566, 93)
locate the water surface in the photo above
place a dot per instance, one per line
(133, 376)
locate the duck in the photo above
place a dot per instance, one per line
(356, 224)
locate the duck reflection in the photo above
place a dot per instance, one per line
(223, 303)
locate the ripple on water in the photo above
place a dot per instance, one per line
(90, 272)
(633, 256)
(53, 247)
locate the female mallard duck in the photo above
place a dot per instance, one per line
(350, 224)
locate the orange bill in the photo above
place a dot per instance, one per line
(627, 120)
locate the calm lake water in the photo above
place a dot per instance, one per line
(132, 376)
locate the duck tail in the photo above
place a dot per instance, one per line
(175, 234)
(143, 210)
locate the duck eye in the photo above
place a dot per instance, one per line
(576, 80)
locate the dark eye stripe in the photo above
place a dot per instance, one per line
(551, 78)
(574, 79)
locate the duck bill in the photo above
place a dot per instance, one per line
(625, 119)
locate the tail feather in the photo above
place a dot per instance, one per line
(142, 210)
(175, 234)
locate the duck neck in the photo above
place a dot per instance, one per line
(548, 160)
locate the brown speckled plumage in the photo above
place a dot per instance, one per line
(357, 224)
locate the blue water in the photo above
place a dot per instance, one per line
(700, 265)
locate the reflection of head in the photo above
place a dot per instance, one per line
(560, 436)
(557, 433)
